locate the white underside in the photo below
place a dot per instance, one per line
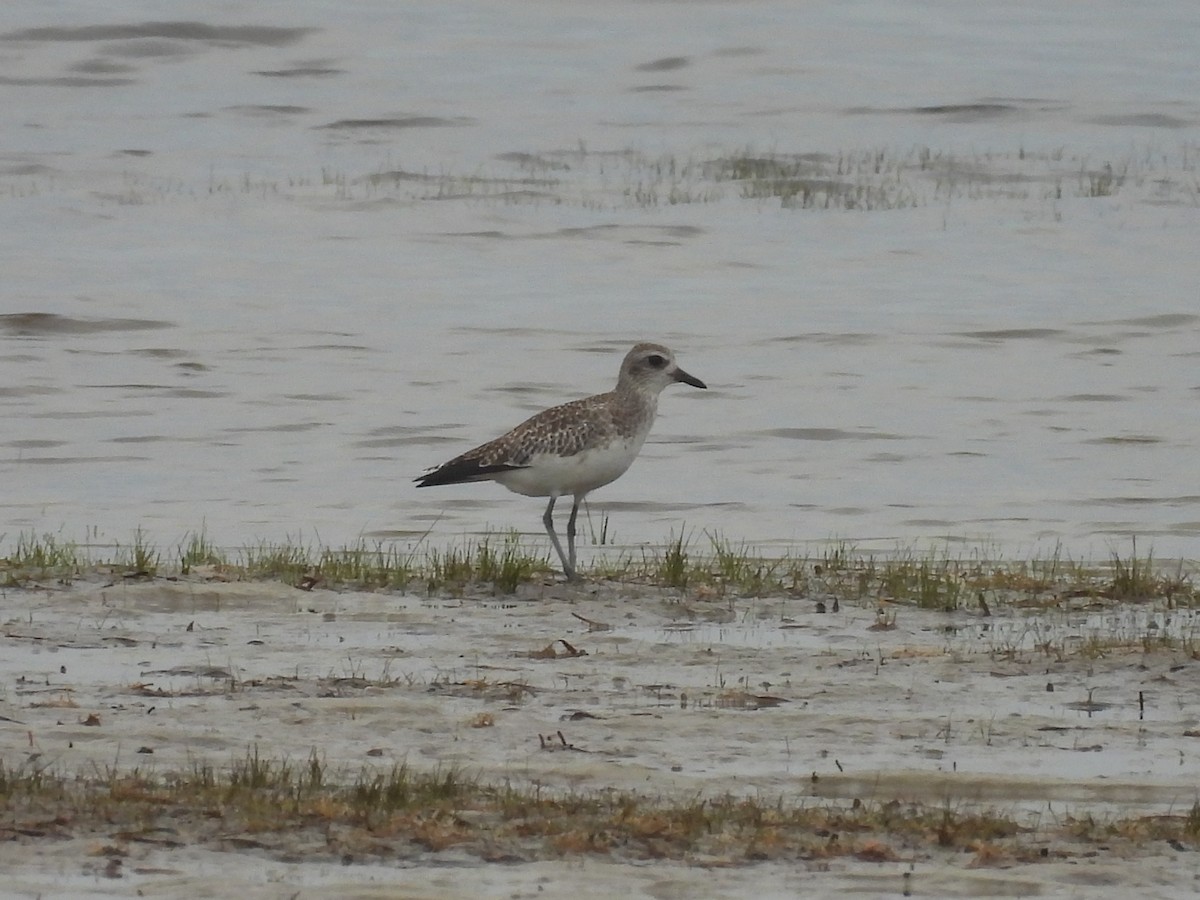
(550, 475)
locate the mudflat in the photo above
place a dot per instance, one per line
(613, 737)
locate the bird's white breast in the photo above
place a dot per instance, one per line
(549, 473)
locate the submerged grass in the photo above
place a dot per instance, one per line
(275, 805)
(862, 179)
(704, 566)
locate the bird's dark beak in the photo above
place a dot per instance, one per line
(683, 376)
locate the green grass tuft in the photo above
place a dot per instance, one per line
(935, 580)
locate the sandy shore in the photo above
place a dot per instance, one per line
(1047, 716)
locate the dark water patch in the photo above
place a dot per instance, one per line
(671, 232)
(679, 439)
(532, 161)
(1098, 351)
(400, 122)
(194, 394)
(612, 230)
(140, 439)
(158, 352)
(1130, 439)
(102, 67)
(27, 169)
(967, 112)
(149, 48)
(37, 324)
(279, 479)
(666, 64)
(950, 112)
(70, 81)
(657, 88)
(76, 460)
(837, 339)
(301, 72)
(268, 109)
(608, 230)
(887, 458)
(1091, 398)
(1179, 500)
(128, 386)
(975, 398)
(711, 446)
(316, 398)
(1141, 120)
(1036, 102)
(767, 168)
(976, 174)
(77, 414)
(506, 196)
(681, 231)
(651, 506)
(261, 35)
(397, 176)
(593, 231)
(1122, 530)
(1006, 334)
(464, 503)
(1165, 320)
(287, 428)
(1088, 706)
(988, 520)
(521, 389)
(395, 534)
(511, 331)
(34, 444)
(493, 235)
(828, 434)
(137, 153)
(162, 390)
(335, 348)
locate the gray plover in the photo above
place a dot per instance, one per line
(576, 447)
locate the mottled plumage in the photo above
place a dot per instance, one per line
(576, 447)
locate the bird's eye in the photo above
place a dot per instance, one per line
(656, 361)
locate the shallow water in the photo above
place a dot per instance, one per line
(261, 269)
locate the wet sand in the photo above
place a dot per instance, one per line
(1042, 715)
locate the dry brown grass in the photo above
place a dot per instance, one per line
(275, 806)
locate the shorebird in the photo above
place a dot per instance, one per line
(574, 448)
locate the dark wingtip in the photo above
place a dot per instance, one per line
(461, 472)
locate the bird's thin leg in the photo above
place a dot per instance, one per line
(548, 521)
(571, 531)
